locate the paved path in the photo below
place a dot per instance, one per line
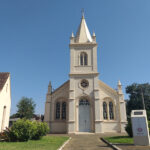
(86, 142)
(133, 147)
(93, 142)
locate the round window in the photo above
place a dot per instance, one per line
(84, 83)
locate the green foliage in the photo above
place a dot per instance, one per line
(26, 107)
(135, 97)
(45, 143)
(7, 135)
(39, 129)
(24, 130)
(120, 139)
(15, 115)
(128, 128)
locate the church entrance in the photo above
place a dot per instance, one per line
(84, 115)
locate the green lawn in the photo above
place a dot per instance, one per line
(46, 143)
(120, 139)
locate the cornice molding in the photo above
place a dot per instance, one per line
(90, 73)
(82, 44)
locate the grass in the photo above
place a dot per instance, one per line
(120, 139)
(46, 143)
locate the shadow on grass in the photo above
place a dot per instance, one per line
(120, 139)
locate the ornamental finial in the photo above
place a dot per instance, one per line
(82, 11)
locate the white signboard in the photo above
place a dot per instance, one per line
(139, 126)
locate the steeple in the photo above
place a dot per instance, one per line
(50, 88)
(119, 88)
(83, 35)
(72, 35)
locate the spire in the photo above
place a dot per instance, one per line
(94, 37)
(83, 35)
(119, 88)
(82, 13)
(119, 83)
(72, 35)
(50, 88)
(93, 34)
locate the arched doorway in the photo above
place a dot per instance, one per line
(84, 115)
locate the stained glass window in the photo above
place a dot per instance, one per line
(105, 110)
(63, 110)
(58, 110)
(84, 83)
(111, 113)
(84, 102)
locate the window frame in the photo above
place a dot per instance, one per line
(83, 59)
(56, 110)
(108, 101)
(61, 118)
(111, 110)
(105, 111)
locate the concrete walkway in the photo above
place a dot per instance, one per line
(86, 142)
(133, 147)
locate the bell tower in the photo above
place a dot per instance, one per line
(83, 50)
(83, 78)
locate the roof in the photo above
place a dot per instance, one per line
(3, 78)
(61, 86)
(83, 35)
(107, 87)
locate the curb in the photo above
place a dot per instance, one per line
(64, 144)
(111, 145)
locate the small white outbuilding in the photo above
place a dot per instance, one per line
(5, 99)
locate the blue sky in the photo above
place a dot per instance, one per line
(34, 42)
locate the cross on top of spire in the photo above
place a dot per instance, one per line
(82, 11)
(83, 35)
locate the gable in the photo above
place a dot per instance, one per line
(62, 91)
(3, 78)
(107, 89)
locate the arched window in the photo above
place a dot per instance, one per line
(111, 113)
(83, 59)
(63, 115)
(58, 110)
(84, 102)
(105, 110)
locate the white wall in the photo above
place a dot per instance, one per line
(5, 100)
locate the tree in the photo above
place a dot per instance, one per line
(26, 108)
(135, 92)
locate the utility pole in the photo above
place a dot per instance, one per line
(142, 99)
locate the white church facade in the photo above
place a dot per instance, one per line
(84, 103)
(5, 100)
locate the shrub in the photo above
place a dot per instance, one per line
(7, 135)
(128, 128)
(24, 130)
(39, 129)
(149, 126)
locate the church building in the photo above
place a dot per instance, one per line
(84, 103)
